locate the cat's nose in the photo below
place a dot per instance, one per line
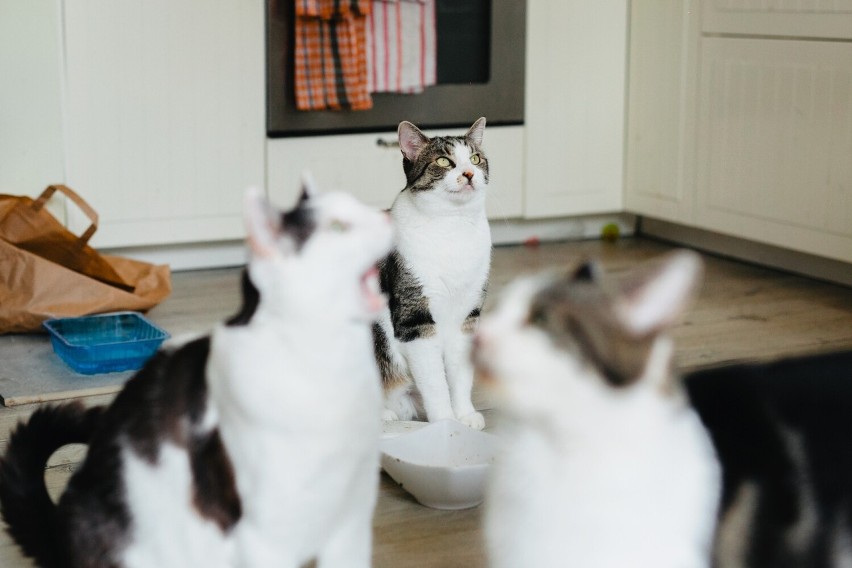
(468, 175)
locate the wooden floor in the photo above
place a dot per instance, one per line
(744, 312)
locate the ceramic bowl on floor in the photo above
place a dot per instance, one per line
(394, 428)
(443, 465)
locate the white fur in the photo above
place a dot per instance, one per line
(165, 529)
(301, 429)
(591, 475)
(445, 239)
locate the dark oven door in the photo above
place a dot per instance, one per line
(480, 56)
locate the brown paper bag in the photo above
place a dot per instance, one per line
(47, 271)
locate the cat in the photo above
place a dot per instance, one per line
(435, 278)
(257, 445)
(781, 430)
(604, 462)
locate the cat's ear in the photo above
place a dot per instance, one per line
(262, 224)
(410, 140)
(476, 131)
(587, 271)
(308, 188)
(653, 298)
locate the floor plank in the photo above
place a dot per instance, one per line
(743, 312)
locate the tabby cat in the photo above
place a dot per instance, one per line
(435, 278)
(605, 464)
(248, 447)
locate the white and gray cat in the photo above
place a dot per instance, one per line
(249, 447)
(435, 278)
(605, 464)
(611, 460)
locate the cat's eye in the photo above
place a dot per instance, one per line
(338, 226)
(443, 162)
(475, 159)
(537, 317)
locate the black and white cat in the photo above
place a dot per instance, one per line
(255, 446)
(782, 433)
(436, 277)
(605, 464)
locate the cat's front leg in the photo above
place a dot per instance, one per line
(350, 543)
(460, 379)
(255, 548)
(426, 364)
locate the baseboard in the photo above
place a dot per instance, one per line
(813, 266)
(223, 254)
(194, 256)
(518, 231)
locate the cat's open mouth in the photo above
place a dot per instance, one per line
(371, 291)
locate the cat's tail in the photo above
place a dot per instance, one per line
(31, 516)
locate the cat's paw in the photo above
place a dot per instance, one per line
(388, 414)
(473, 420)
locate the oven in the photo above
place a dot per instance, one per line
(480, 72)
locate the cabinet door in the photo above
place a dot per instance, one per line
(370, 167)
(799, 18)
(661, 104)
(164, 115)
(31, 149)
(576, 65)
(774, 143)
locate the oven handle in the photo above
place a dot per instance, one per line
(382, 143)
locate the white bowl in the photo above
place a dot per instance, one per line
(394, 428)
(443, 465)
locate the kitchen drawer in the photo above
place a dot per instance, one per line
(370, 167)
(789, 18)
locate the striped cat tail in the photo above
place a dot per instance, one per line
(30, 515)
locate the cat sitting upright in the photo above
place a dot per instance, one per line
(255, 446)
(435, 278)
(605, 463)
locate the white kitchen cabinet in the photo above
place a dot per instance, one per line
(782, 18)
(774, 143)
(748, 137)
(576, 66)
(370, 167)
(164, 115)
(661, 106)
(31, 145)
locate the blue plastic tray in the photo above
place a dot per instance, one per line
(105, 343)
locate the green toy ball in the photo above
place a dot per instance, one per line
(610, 232)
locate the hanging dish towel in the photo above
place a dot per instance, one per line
(401, 46)
(330, 54)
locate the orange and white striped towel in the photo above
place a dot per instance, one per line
(401, 46)
(330, 55)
